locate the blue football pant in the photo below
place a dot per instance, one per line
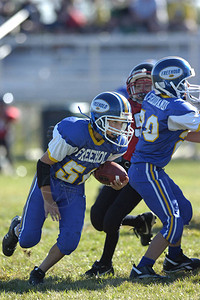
(71, 203)
(163, 197)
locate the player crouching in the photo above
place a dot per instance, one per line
(79, 146)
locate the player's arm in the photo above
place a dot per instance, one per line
(193, 136)
(43, 177)
(189, 121)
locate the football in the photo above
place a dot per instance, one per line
(110, 171)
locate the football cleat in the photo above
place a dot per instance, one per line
(144, 230)
(144, 272)
(181, 263)
(98, 269)
(10, 240)
(36, 276)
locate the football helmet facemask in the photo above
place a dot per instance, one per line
(110, 107)
(139, 81)
(169, 76)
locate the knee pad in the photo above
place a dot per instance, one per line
(96, 219)
(187, 213)
(28, 240)
(173, 229)
(67, 242)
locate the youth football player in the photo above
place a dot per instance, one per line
(111, 208)
(78, 147)
(168, 115)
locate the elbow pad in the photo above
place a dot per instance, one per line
(43, 173)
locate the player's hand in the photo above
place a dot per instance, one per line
(118, 185)
(52, 209)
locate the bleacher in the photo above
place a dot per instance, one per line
(51, 69)
(46, 73)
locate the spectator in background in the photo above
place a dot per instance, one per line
(8, 114)
(149, 15)
(121, 19)
(182, 15)
(33, 23)
(101, 15)
(7, 8)
(91, 16)
(73, 16)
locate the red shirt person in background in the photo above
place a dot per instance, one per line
(8, 114)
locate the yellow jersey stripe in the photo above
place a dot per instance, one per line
(164, 198)
(198, 129)
(98, 143)
(50, 157)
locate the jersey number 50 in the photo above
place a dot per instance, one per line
(71, 171)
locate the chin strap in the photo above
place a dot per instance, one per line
(83, 113)
(159, 88)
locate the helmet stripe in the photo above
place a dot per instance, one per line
(123, 102)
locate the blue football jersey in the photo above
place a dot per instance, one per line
(165, 124)
(76, 152)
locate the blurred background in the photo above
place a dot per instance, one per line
(56, 55)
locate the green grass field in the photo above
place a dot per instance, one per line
(65, 280)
